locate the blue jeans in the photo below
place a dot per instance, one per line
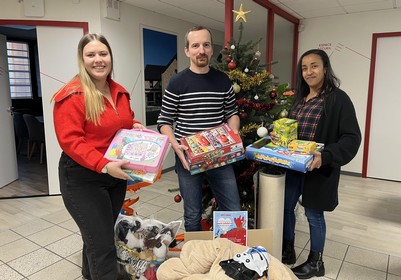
(222, 183)
(294, 184)
(94, 201)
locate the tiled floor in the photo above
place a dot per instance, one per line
(40, 241)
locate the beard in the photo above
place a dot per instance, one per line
(202, 61)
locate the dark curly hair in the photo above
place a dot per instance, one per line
(330, 81)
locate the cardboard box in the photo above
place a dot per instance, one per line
(212, 148)
(286, 129)
(144, 149)
(279, 156)
(256, 237)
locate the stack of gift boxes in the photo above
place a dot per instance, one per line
(287, 151)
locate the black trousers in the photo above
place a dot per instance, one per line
(94, 201)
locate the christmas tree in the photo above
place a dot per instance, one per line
(260, 100)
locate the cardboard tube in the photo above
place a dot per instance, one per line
(271, 208)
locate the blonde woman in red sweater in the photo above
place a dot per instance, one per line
(88, 111)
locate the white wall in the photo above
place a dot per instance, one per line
(348, 40)
(57, 10)
(124, 37)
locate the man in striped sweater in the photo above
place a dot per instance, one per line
(199, 98)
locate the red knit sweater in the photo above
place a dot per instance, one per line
(82, 140)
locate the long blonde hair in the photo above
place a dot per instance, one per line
(94, 100)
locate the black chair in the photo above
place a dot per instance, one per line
(36, 131)
(21, 131)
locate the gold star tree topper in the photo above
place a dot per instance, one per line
(240, 14)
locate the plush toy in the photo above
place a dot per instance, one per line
(141, 243)
(164, 240)
(252, 264)
(200, 260)
(129, 232)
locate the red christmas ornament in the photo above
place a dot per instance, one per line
(228, 58)
(232, 65)
(177, 198)
(273, 94)
(243, 115)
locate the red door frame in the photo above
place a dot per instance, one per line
(375, 38)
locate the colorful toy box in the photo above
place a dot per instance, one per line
(144, 149)
(265, 151)
(212, 148)
(286, 129)
(302, 146)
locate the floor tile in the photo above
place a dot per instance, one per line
(332, 267)
(62, 270)
(34, 261)
(145, 195)
(58, 217)
(49, 235)
(67, 246)
(76, 258)
(179, 207)
(162, 200)
(17, 249)
(32, 227)
(351, 271)
(301, 239)
(70, 225)
(367, 258)
(8, 236)
(394, 266)
(147, 210)
(52, 227)
(8, 273)
(334, 249)
(166, 215)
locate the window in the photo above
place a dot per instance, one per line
(160, 65)
(19, 70)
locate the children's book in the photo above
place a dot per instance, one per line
(232, 225)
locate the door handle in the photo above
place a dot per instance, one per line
(10, 110)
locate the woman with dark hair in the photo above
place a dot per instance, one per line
(88, 111)
(325, 114)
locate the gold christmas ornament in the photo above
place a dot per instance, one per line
(283, 113)
(236, 88)
(248, 128)
(240, 14)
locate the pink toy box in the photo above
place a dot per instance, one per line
(145, 150)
